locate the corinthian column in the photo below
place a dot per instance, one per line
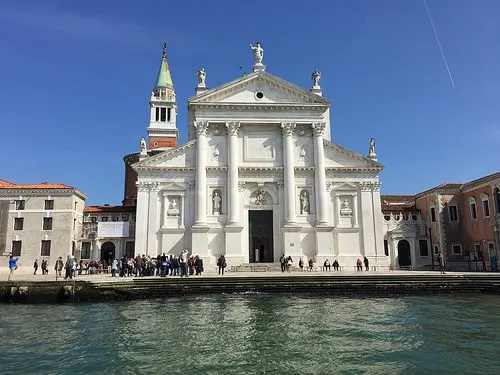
(201, 172)
(234, 204)
(287, 132)
(320, 174)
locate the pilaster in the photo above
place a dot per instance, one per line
(201, 173)
(320, 173)
(287, 132)
(234, 202)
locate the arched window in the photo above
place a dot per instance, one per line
(453, 211)
(473, 208)
(432, 212)
(486, 206)
(496, 195)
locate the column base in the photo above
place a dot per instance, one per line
(199, 243)
(233, 245)
(324, 244)
(291, 241)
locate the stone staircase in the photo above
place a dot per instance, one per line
(260, 267)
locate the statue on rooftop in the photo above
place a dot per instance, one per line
(316, 76)
(201, 76)
(258, 54)
(371, 150)
(143, 146)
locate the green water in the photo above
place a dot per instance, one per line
(255, 334)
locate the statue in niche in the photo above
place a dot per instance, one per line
(345, 207)
(371, 150)
(217, 200)
(216, 153)
(258, 54)
(201, 76)
(316, 76)
(260, 197)
(172, 208)
(143, 146)
(304, 202)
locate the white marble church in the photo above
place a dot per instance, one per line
(258, 177)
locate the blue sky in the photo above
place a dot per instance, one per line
(75, 80)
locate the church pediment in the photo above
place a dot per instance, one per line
(259, 88)
(339, 157)
(183, 156)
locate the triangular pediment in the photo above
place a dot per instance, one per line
(183, 156)
(259, 88)
(337, 156)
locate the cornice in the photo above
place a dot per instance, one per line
(263, 107)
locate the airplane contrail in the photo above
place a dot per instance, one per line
(439, 44)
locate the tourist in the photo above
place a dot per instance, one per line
(289, 262)
(326, 265)
(73, 268)
(359, 265)
(221, 263)
(301, 264)
(198, 264)
(114, 267)
(58, 267)
(68, 268)
(184, 262)
(367, 263)
(311, 264)
(336, 265)
(35, 266)
(12, 266)
(44, 267)
(440, 261)
(283, 262)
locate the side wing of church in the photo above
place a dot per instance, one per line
(258, 177)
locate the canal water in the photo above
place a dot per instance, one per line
(255, 334)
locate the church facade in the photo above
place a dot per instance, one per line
(258, 177)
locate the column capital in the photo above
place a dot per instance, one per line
(241, 186)
(281, 185)
(287, 128)
(233, 127)
(318, 128)
(201, 127)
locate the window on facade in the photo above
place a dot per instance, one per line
(49, 204)
(496, 195)
(73, 248)
(20, 204)
(129, 249)
(486, 207)
(18, 223)
(157, 114)
(104, 218)
(433, 214)
(74, 224)
(47, 223)
(436, 249)
(424, 250)
(453, 209)
(405, 217)
(45, 250)
(124, 218)
(163, 114)
(414, 217)
(16, 248)
(387, 217)
(473, 211)
(169, 114)
(456, 249)
(86, 246)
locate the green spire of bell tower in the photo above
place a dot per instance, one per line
(164, 79)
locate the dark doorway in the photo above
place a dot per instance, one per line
(108, 252)
(404, 254)
(260, 225)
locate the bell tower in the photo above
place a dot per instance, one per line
(162, 129)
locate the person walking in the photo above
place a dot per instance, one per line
(301, 264)
(114, 267)
(35, 266)
(367, 263)
(12, 266)
(44, 267)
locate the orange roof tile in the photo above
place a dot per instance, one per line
(97, 209)
(43, 185)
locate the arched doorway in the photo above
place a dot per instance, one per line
(108, 252)
(404, 254)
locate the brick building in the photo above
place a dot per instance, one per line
(462, 221)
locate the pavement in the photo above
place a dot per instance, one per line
(27, 275)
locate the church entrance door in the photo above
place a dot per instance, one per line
(404, 254)
(260, 229)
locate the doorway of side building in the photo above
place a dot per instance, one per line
(260, 229)
(108, 252)
(404, 254)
